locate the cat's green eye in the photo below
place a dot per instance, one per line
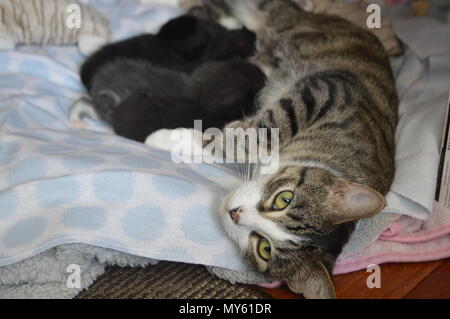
(283, 200)
(264, 249)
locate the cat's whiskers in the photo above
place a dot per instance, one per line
(256, 171)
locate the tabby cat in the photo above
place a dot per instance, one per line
(332, 94)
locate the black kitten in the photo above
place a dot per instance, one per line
(218, 93)
(181, 44)
(192, 69)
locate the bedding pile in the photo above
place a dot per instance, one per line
(92, 199)
(423, 84)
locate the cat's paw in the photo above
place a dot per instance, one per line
(184, 144)
(161, 140)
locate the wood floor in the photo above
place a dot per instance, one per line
(429, 280)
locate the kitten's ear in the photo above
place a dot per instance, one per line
(354, 201)
(178, 28)
(315, 285)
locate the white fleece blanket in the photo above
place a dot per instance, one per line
(60, 186)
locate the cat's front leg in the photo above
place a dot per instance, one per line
(249, 140)
(268, 56)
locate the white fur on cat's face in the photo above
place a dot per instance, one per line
(247, 196)
(250, 220)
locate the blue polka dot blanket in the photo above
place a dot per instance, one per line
(59, 185)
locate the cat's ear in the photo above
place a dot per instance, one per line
(316, 284)
(354, 201)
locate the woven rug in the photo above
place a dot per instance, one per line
(166, 280)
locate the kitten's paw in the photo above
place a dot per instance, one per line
(88, 44)
(81, 108)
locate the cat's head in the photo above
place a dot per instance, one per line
(293, 224)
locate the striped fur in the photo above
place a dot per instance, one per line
(356, 12)
(332, 94)
(44, 22)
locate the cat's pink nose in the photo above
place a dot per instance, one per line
(234, 214)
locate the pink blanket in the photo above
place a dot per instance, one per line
(406, 240)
